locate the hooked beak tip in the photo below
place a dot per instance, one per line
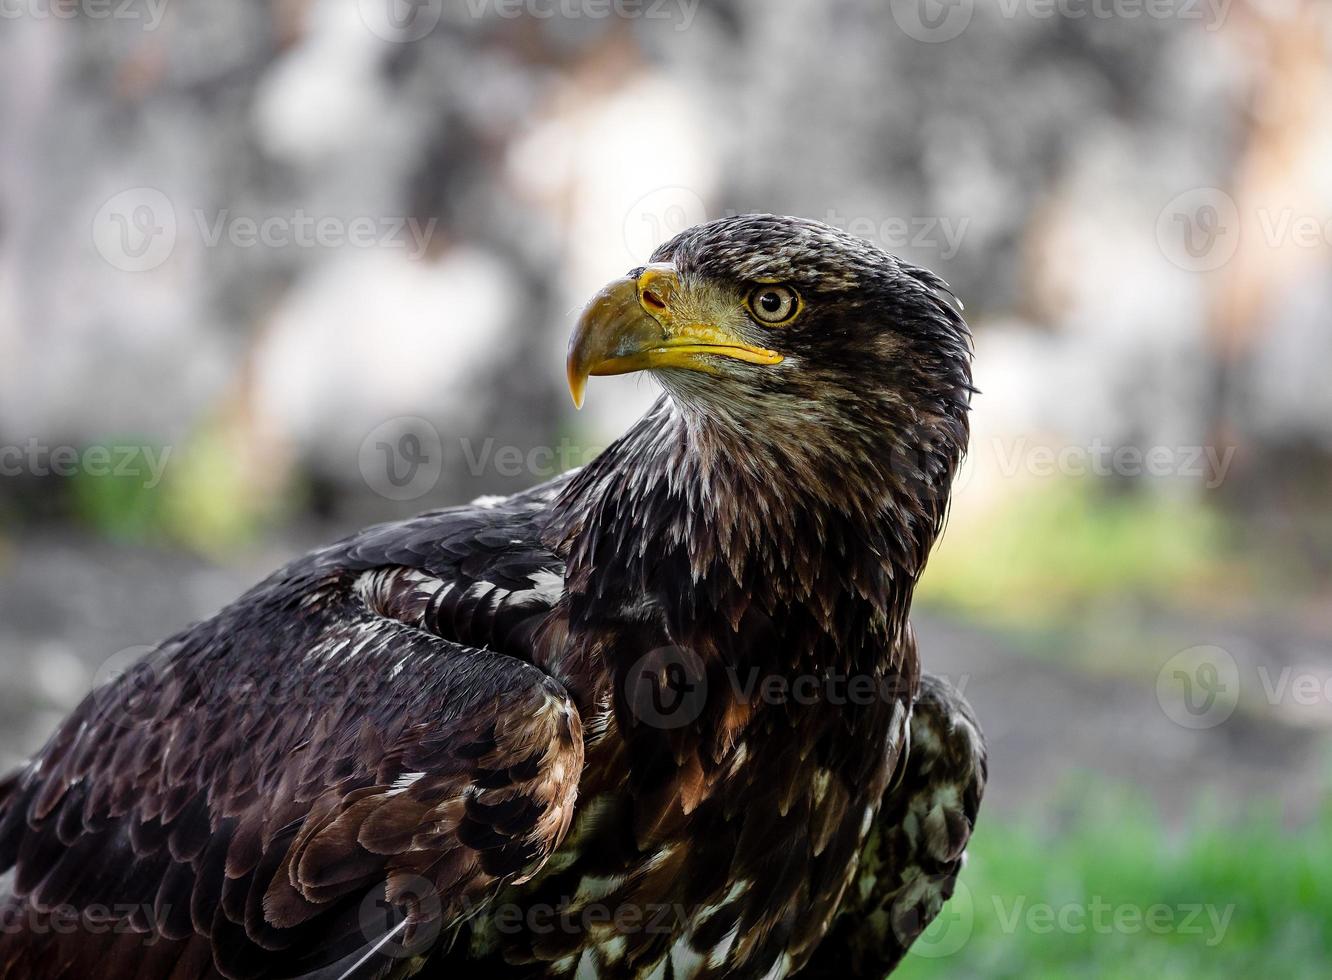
(577, 375)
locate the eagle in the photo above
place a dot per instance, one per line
(661, 717)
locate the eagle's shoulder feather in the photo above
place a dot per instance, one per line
(230, 807)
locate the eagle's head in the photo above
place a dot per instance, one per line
(816, 410)
(811, 347)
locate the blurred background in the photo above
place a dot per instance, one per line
(273, 271)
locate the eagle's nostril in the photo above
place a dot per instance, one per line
(653, 301)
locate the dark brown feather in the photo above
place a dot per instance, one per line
(452, 716)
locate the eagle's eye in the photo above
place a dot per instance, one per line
(773, 304)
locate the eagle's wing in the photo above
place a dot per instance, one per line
(911, 858)
(331, 762)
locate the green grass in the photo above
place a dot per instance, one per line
(211, 496)
(118, 505)
(1047, 554)
(1112, 896)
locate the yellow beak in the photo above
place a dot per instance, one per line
(631, 325)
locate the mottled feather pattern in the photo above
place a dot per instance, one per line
(915, 849)
(535, 736)
(273, 766)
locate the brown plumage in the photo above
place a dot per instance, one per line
(650, 719)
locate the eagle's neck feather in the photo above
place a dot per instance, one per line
(717, 514)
